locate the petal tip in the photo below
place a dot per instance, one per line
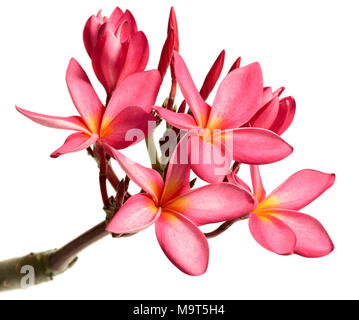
(332, 178)
(291, 149)
(72, 62)
(317, 255)
(54, 155)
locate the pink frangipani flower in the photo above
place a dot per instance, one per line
(276, 223)
(238, 99)
(116, 47)
(177, 211)
(129, 108)
(276, 114)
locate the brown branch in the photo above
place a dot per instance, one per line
(112, 177)
(224, 227)
(62, 258)
(103, 175)
(46, 265)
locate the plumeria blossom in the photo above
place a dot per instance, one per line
(276, 223)
(116, 47)
(129, 108)
(276, 114)
(220, 136)
(244, 124)
(177, 211)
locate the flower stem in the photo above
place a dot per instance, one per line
(111, 175)
(60, 259)
(46, 265)
(100, 154)
(223, 227)
(172, 95)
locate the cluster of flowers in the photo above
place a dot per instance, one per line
(244, 124)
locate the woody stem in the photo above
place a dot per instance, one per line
(61, 258)
(224, 227)
(48, 264)
(111, 175)
(103, 175)
(44, 266)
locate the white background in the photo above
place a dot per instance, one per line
(310, 47)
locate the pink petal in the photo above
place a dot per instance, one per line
(178, 120)
(126, 26)
(178, 173)
(75, 142)
(299, 190)
(257, 146)
(137, 56)
(236, 64)
(132, 122)
(266, 116)
(285, 116)
(258, 189)
(172, 25)
(106, 27)
(67, 123)
(138, 90)
(267, 95)
(212, 76)
(272, 234)
(238, 98)
(313, 240)
(147, 179)
(108, 58)
(198, 107)
(138, 213)
(116, 16)
(279, 91)
(214, 203)
(234, 179)
(90, 33)
(183, 243)
(84, 96)
(166, 54)
(210, 161)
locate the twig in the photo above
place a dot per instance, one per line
(111, 175)
(103, 175)
(46, 265)
(224, 227)
(60, 259)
